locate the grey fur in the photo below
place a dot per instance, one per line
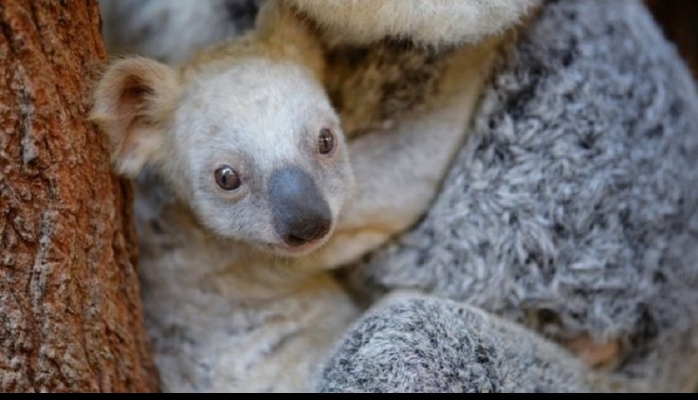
(573, 207)
(429, 345)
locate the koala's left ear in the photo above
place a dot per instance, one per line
(133, 102)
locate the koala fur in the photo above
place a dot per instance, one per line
(572, 210)
(230, 306)
(434, 23)
(568, 217)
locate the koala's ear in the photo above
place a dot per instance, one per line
(133, 101)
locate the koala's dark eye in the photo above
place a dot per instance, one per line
(326, 142)
(227, 178)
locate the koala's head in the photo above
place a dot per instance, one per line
(252, 147)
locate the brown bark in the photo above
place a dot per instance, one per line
(70, 311)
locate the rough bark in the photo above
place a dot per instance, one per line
(70, 311)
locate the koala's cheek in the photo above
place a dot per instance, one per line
(337, 204)
(250, 222)
(343, 192)
(217, 216)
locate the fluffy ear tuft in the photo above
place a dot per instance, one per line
(132, 104)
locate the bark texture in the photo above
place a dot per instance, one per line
(70, 310)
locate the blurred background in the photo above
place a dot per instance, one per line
(679, 19)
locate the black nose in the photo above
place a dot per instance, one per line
(301, 214)
(307, 233)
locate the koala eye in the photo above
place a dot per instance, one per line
(227, 178)
(326, 141)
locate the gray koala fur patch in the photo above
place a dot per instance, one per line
(573, 208)
(431, 346)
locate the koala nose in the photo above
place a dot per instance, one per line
(301, 214)
(307, 234)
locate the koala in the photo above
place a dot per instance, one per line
(248, 195)
(566, 230)
(404, 86)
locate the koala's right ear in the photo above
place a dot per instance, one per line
(132, 104)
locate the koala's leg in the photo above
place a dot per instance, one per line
(399, 171)
(411, 343)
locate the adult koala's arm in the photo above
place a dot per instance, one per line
(432, 23)
(573, 208)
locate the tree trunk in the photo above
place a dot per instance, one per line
(70, 311)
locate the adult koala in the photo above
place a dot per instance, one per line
(561, 252)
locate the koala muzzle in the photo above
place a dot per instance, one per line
(301, 214)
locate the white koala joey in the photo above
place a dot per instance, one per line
(248, 194)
